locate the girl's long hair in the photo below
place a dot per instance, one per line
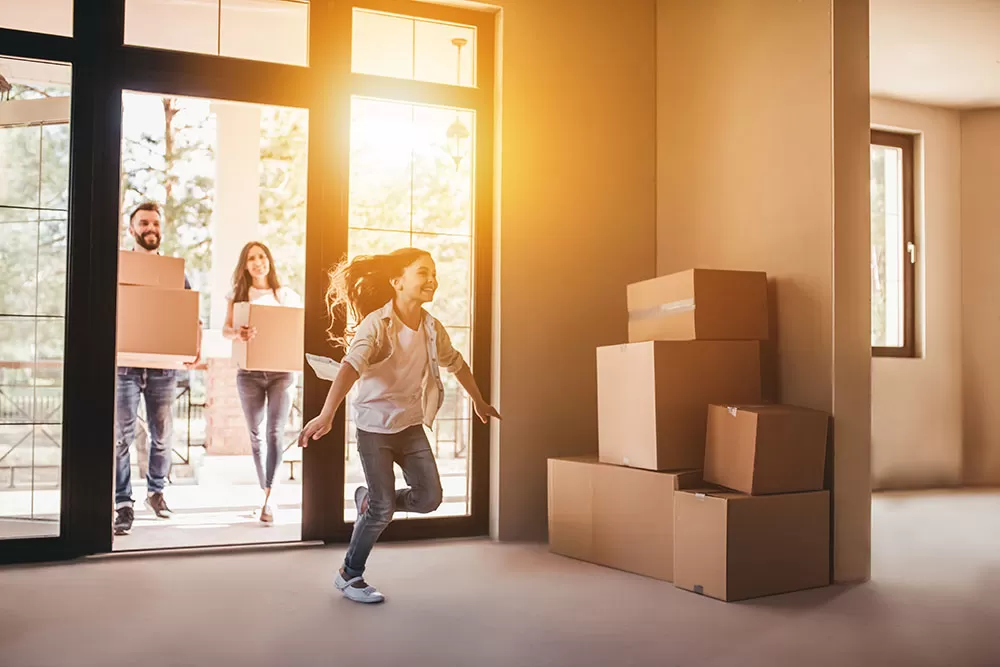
(243, 281)
(363, 285)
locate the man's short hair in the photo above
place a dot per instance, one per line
(145, 206)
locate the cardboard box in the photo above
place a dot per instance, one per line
(699, 304)
(732, 546)
(139, 268)
(766, 448)
(278, 345)
(157, 327)
(653, 397)
(613, 516)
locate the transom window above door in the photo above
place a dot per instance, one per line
(270, 30)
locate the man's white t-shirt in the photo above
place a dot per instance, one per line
(390, 394)
(265, 297)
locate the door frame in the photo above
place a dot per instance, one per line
(102, 68)
(481, 100)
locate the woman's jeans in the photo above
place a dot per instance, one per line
(266, 395)
(378, 453)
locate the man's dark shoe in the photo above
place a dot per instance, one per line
(123, 520)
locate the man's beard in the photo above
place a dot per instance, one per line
(150, 241)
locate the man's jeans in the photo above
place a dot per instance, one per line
(159, 388)
(378, 452)
(266, 398)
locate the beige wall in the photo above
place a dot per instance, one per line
(576, 215)
(748, 175)
(917, 403)
(980, 300)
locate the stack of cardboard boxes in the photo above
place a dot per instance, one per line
(672, 439)
(157, 317)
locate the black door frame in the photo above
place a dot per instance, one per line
(102, 67)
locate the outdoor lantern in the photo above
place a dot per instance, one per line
(458, 133)
(458, 141)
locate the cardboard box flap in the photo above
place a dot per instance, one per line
(771, 409)
(716, 493)
(662, 295)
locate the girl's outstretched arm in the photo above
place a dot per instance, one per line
(322, 423)
(483, 409)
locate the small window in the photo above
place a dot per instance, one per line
(48, 17)
(415, 49)
(269, 30)
(893, 249)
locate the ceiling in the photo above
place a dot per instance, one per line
(939, 52)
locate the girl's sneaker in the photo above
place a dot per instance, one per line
(357, 590)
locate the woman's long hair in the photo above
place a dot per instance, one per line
(243, 281)
(363, 285)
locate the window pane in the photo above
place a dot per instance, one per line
(887, 246)
(34, 182)
(53, 232)
(50, 17)
(381, 154)
(269, 30)
(382, 44)
(438, 58)
(173, 24)
(442, 170)
(453, 257)
(273, 30)
(18, 259)
(409, 48)
(20, 162)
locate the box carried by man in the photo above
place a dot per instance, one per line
(157, 327)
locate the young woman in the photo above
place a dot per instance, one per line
(264, 394)
(395, 354)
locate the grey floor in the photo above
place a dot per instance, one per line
(934, 600)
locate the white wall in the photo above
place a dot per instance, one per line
(917, 403)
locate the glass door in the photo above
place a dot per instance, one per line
(419, 165)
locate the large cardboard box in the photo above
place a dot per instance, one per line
(157, 327)
(613, 516)
(653, 397)
(732, 546)
(139, 268)
(766, 448)
(278, 345)
(699, 304)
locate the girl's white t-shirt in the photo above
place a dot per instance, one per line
(389, 396)
(265, 297)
